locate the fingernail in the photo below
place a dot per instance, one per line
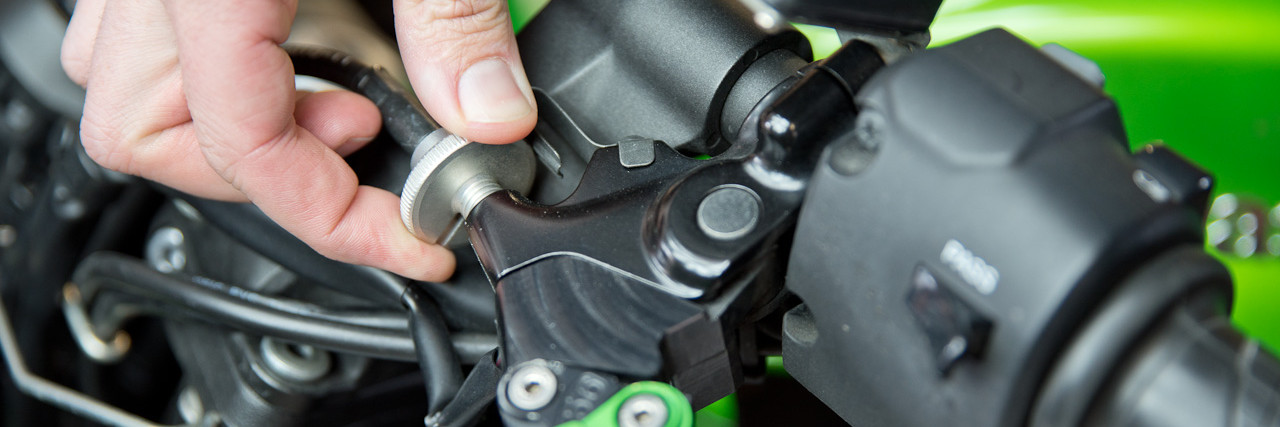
(488, 93)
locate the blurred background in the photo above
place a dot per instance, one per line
(1204, 78)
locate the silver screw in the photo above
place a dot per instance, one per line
(295, 362)
(165, 252)
(531, 387)
(190, 407)
(8, 235)
(186, 209)
(65, 205)
(643, 410)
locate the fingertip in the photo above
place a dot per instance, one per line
(437, 264)
(462, 60)
(487, 111)
(501, 133)
(370, 233)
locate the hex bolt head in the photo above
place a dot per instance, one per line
(531, 387)
(643, 410)
(728, 212)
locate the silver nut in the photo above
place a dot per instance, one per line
(295, 362)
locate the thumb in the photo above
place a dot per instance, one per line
(462, 61)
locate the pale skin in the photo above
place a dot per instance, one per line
(198, 95)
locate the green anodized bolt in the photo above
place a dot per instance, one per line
(641, 404)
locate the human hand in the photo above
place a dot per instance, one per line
(199, 96)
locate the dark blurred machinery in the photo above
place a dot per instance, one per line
(953, 236)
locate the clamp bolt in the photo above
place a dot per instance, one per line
(643, 410)
(531, 387)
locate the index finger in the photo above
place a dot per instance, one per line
(239, 88)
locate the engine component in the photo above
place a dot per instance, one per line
(958, 236)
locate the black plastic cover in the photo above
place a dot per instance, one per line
(650, 68)
(897, 15)
(1007, 177)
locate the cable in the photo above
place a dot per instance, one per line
(245, 310)
(248, 225)
(440, 370)
(402, 117)
(111, 308)
(389, 334)
(53, 393)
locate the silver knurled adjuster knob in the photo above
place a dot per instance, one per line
(450, 176)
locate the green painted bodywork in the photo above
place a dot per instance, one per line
(1202, 76)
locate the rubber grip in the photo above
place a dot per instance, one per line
(1194, 370)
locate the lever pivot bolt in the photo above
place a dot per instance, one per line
(728, 212)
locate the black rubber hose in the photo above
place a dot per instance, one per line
(246, 310)
(402, 116)
(476, 395)
(440, 367)
(247, 224)
(111, 308)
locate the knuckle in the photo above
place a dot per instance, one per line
(341, 245)
(229, 158)
(103, 145)
(456, 20)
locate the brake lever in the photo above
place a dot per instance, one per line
(646, 269)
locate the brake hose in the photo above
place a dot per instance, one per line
(248, 225)
(441, 373)
(111, 270)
